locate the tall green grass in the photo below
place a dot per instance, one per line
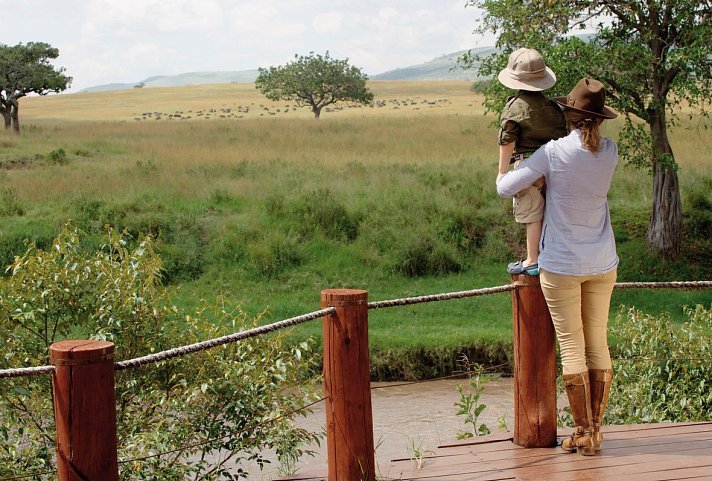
(268, 212)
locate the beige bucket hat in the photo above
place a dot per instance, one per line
(587, 97)
(526, 71)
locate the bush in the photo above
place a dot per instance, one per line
(58, 157)
(321, 211)
(10, 205)
(228, 403)
(275, 253)
(421, 256)
(698, 215)
(665, 370)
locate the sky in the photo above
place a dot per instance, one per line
(126, 41)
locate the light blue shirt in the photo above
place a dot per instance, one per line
(577, 237)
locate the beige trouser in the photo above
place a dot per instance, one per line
(579, 308)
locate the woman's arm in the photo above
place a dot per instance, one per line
(524, 175)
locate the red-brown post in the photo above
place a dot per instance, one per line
(347, 386)
(534, 366)
(85, 410)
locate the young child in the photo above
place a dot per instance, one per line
(528, 121)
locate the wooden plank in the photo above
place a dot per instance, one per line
(648, 468)
(496, 442)
(490, 438)
(464, 455)
(578, 467)
(565, 432)
(555, 460)
(643, 427)
(660, 452)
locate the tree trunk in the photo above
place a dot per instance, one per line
(665, 227)
(14, 115)
(5, 111)
(317, 111)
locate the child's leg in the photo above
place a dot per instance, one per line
(533, 236)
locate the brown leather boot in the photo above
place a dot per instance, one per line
(600, 380)
(579, 394)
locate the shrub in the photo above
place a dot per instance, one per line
(321, 211)
(698, 215)
(10, 206)
(58, 157)
(420, 256)
(665, 370)
(275, 253)
(229, 403)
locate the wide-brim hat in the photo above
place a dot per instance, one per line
(526, 71)
(588, 97)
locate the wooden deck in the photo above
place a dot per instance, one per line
(649, 452)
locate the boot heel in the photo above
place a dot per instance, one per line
(586, 447)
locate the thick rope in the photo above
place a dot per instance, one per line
(440, 297)
(26, 371)
(665, 285)
(181, 351)
(238, 336)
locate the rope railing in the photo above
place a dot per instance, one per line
(26, 371)
(441, 297)
(665, 285)
(238, 336)
(201, 346)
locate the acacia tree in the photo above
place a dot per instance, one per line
(315, 81)
(26, 69)
(652, 55)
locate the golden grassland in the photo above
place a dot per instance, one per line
(436, 123)
(243, 101)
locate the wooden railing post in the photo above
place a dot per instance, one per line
(534, 366)
(85, 410)
(347, 386)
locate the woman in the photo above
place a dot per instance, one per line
(578, 259)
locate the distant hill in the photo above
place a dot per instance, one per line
(181, 80)
(440, 68)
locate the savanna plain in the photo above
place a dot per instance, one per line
(257, 204)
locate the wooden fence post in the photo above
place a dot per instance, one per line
(347, 386)
(534, 366)
(85, 410)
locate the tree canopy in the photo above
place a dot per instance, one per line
(653, 57)
(26, 69)
(316, 81)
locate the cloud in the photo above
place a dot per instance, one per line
(329, 22)
(157, 15)
(264, 20)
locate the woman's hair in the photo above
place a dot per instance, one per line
(590, 134)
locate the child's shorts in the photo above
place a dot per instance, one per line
(529, 203)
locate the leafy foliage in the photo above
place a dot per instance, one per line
(210, 411)
(469, 405)
(316, 81)
(25, 69)
(665, 370)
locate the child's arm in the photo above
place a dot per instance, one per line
(505, 155)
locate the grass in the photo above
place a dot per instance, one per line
(270, 208)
